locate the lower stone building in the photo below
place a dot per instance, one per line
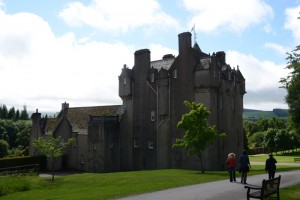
(139, 133)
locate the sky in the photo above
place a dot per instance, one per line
(56, 51)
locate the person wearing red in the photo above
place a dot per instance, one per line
(231, 163)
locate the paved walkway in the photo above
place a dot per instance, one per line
(216, 190)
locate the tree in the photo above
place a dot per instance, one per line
(52, 148)
(24, 114)
(292, 84)
(269, 139)
(11, 113)
(198, 134)
(3, 148)
(4, 112)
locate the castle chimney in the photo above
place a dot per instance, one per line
(141, 57)
(64, 106)
(185, 41)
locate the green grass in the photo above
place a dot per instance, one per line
(280, 157)
(290, 193)
(112, 185)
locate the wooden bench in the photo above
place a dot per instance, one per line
(296, 159)
(268, 189)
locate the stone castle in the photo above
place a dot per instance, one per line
(139, 134)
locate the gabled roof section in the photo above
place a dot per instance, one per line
(239, 75)
(197, 48)
(79, 116)
(165, 63)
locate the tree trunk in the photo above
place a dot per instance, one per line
(52, 163)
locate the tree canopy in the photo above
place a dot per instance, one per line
(198, 134)
(292, 84)
(52, 148)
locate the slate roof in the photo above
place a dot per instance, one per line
(79, 116)
(164, 63)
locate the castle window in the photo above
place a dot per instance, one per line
(76, 140)
(135, 143)
(175, 73)
(82, 159)
(124, 81)
(219, 77)
(232, 102)
(152, 77)
(94, 146)
(152, 116)
(111, 145)
(150, 144)
(121, 143)
(221, 102)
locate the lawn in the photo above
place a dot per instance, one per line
(112, 185)
(280, 157)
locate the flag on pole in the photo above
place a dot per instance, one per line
(193, 28)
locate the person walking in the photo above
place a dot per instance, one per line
(244, 166)
(271, 166)
(231, 163)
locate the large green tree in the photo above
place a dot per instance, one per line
(52, 148)
(198, 134)
(292, 84)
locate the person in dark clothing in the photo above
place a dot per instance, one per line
(271, 166)
(244, 166)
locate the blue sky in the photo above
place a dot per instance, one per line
(55, 51)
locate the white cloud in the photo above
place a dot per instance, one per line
(292, 22)
(232, 15)
(42, 70)
(117, 15)
(262, 81)
(277, 48)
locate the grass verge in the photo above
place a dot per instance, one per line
(113, 185)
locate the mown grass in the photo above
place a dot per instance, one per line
(287, 157)
(94, 186)
(290, 193)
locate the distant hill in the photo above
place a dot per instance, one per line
(252, 115)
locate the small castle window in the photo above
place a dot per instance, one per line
(121, 143)
(135, 143)
(175, 73)
(152, 77)
(150, 144)
(124, 81)
(82, 159)
(94, 146)
(221, 102)
(232, 103)
(152, 116)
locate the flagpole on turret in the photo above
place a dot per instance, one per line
(194, 33)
